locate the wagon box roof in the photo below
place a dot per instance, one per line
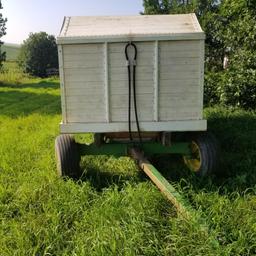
(83, 29)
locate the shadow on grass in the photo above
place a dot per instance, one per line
(100, 180)
(47, 84)
(236, 133)
(103, 171)
(16, 103)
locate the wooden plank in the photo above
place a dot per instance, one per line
(180, 45)
(166, 97)
(106, 84)
(156, 81)
(170, 87)
(65, 26)
(82, 49)
(70, 77)
(85, 108)
(84, 85)
(87, 57)
(120, 21)
(164, 55)
(85, 72)
(83, 114)
(176, 104)
(120, 47)
(124, 83)
(62, 84)
(183, 88)
(90, 117)
(78, 63)
(195, 22)
(121, 89)
(83, 100)
(139, 77)
(84, 92)
(135, 19)
(145, 100)
(178, 75)
(201, 77)
(122, 62)
(179, 61)
(120, 58)
(167, 114)
(179, 68)
(127, 38)
(186, 125)
(121, 115)
(123, 69)
(115, 30)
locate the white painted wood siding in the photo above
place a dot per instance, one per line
(96, 82)
(118, 82)
(84, 83)
(179, 80)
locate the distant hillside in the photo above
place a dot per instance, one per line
(12, 50)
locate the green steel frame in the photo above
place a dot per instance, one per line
(122, 149)
(137, 152)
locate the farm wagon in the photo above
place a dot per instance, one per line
(136, 82)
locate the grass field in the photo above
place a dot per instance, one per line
(115, 209)
(12, 51)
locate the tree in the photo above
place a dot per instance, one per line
(239, 36)
(208, 13)
(230, 31)
(168, 6)
(38, 53)
(2, 33)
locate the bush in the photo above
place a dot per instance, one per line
(239, 83)
(38, 53)
(212, 84)
(235, 86)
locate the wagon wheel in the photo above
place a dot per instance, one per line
(67, 156)
(204, 154)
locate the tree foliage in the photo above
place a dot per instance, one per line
(2, 33)
(230, 28)
(39, 53)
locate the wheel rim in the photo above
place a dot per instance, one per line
(193, 161)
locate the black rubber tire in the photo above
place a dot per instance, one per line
(67, 156)
(209, 153)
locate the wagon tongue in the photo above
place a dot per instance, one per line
(184, 209)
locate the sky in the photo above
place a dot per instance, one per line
(25, 16)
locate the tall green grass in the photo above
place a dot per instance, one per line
(115, 209)
(12, 74)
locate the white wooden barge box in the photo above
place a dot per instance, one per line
(94, 77)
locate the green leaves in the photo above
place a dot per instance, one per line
(2, 33)
(230, 28)
(39, 53)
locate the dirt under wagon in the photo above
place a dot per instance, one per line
(136, 82)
